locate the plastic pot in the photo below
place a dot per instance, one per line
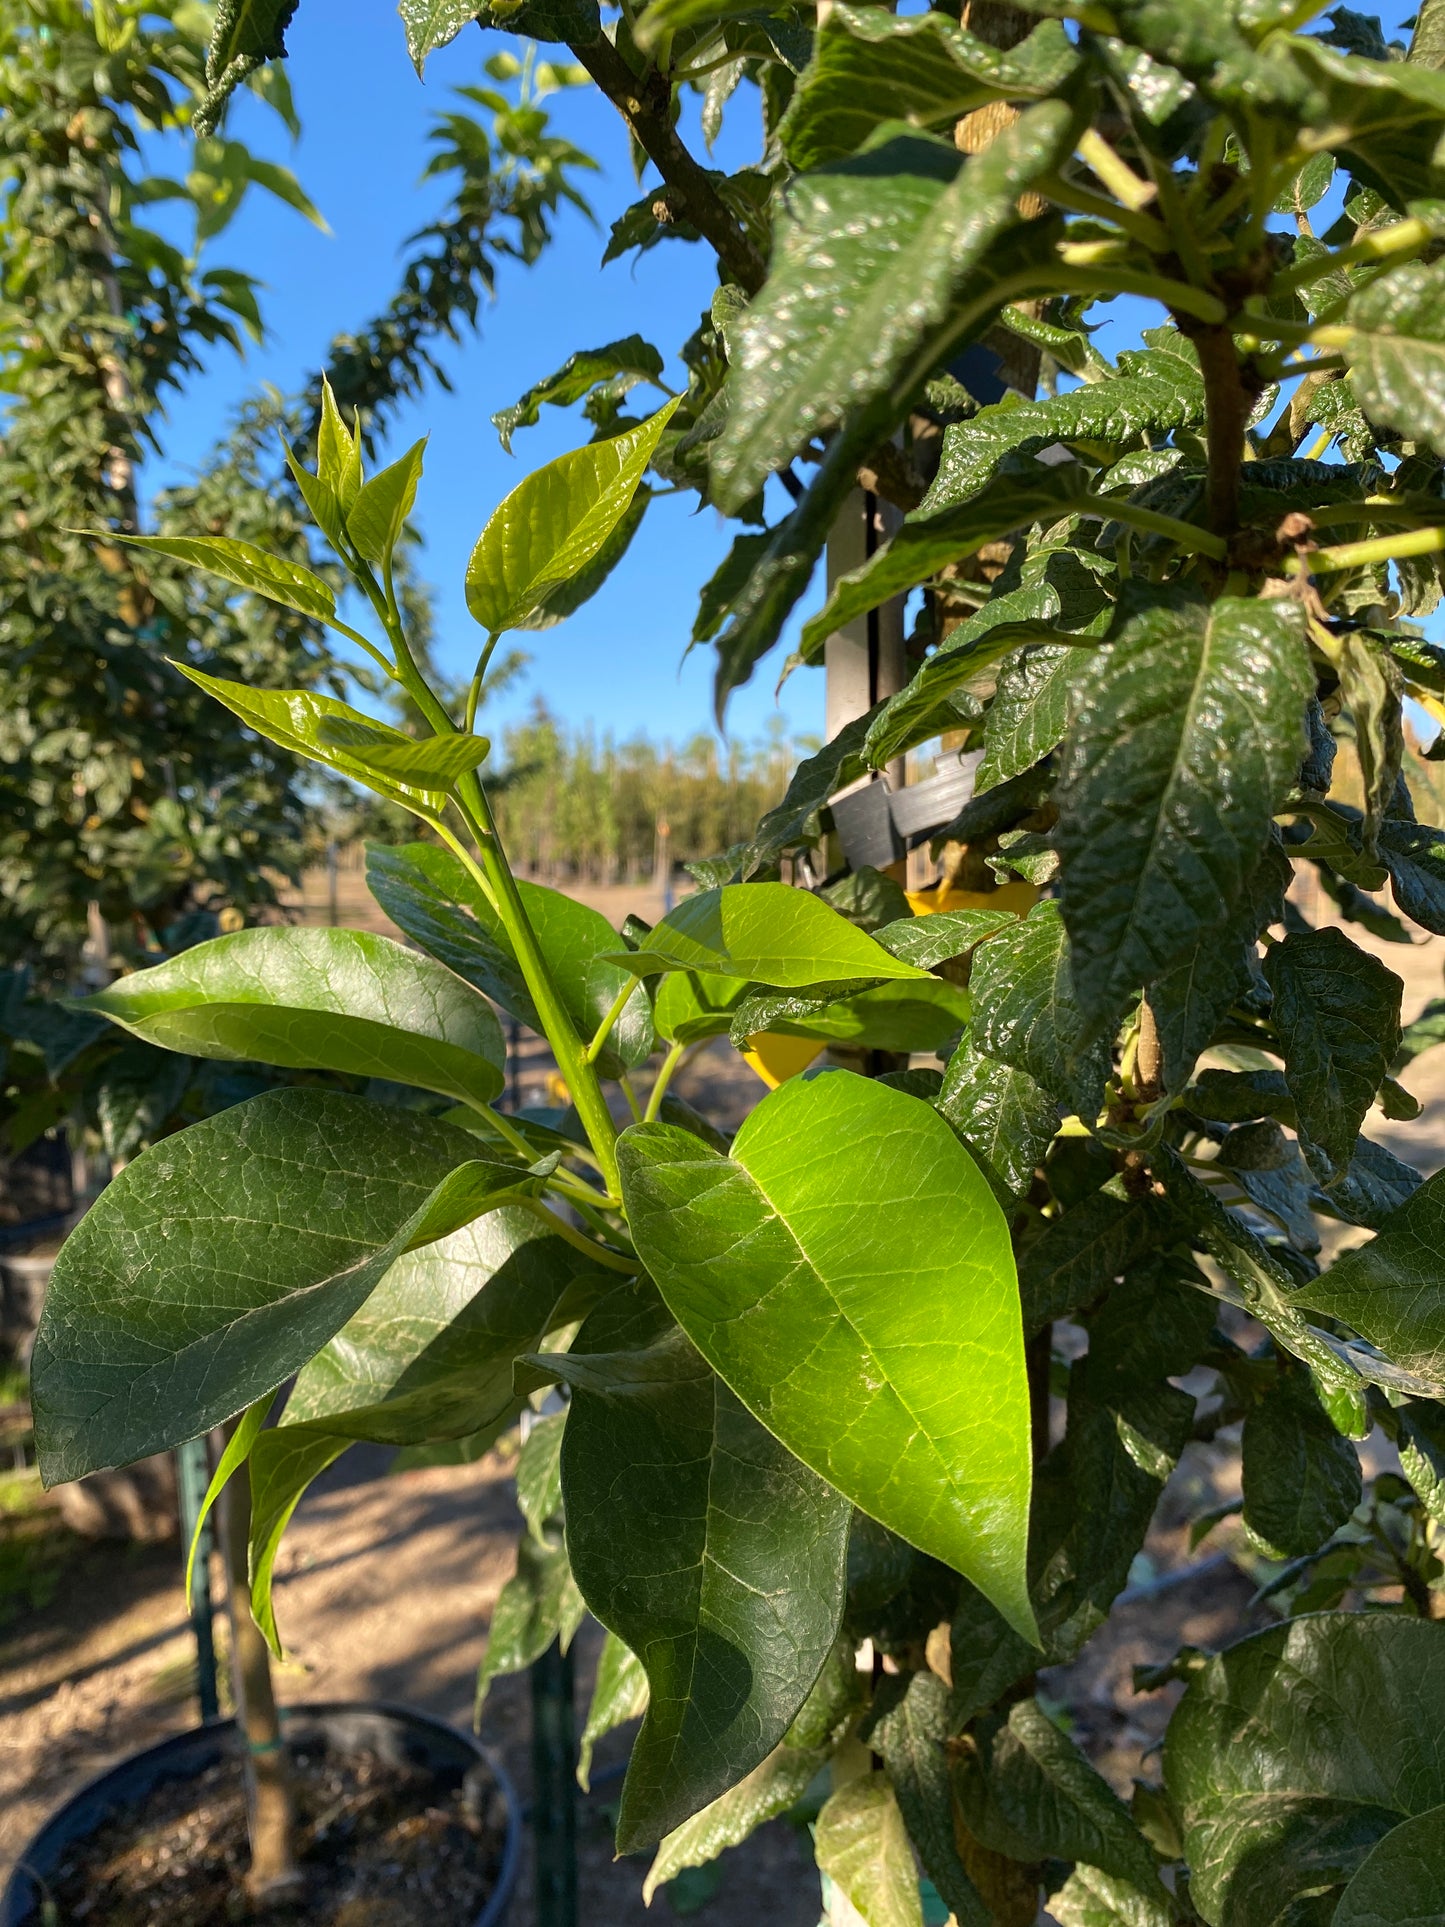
(396, 1733)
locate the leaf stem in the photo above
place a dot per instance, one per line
(474, 694)
(1362, 555)
(599, 1254)
(664, 1078)
(1187, 535)
(1384, 244)
(1065, 193)
(604, 1029)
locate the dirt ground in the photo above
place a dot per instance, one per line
(386, 1583)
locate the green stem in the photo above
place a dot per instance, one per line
(1106, 280)
(474, 694)
(1362, 555)
(604, 1029)
(1384, 244)
(1083, 200)
(599, 1254)
(664, 1078)
(1186, 535)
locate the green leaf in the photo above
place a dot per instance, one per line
(247, 567)
(564, 599)
(622, 365)
(619, 1695)
(1030, 710)
(908, 1017)
(1397, 350)
(770, 1789)
(248, 30)
(225, 1257)
(862, 1846)
(1028, 1792)
(913, 1737)
(378, 515)
(927, 543)
(714, 1554)
(553, 524)
(340, 1000)
(1160, 835)
(1080, 1254)
(1384, 117)
(1291, 1754)
(693, 1004)
(414, 772)
(1422, 1452)
(1024, 1013)
(539, 1603)
(1391, 1290)
(1402, 1882)
(870, 257)
(1414, 854)
(947, 934)
(338, 454)
(924, 69)
(1337, 1012)
(433, 899)
(1090, 1898)
(1301, 1479)
(433, 23)
(758, 1257)
(767, 933)
(1003, 1117)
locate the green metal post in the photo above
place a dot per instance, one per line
(554, 1789)
(193, 1475)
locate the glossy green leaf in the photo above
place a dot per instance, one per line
(1337, 1011)
(619, 1695)
(1386, 118)
(564, 599)
(1027, 1791)
(761, 1257)
(947, 934)
(416, 772)
(338, 454)
(1002, 1115)
(907, 1017)
(1422, 1452)
(913, 1738)
(1391, 1290)
(1159, 833)
(1025, 1014)
(247, 567)
(693, 1004)
(553, 524)
(923, 69)
(1397, 350)
(431, 897)
(1030, 710)
(340, 1000)
(225, 1257)
(766, 933)
(1402, 1882)
(715, 1555)
(433, 23)
(378, 515)
(1078, 1255)
(869, 259)
(1291, 1754)
(1414, 854)
(863, 1847)
(1301, 1479)
(621, 366)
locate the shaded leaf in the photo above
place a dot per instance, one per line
(1005, 1118)
(1025, 1014)
(1402, 1882)
(619, 1695)
(1301, 1479)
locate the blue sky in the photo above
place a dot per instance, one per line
(617, 664)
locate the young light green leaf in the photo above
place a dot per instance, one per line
(1091, 1898)
(1292, 1753)
(619, 1695)
(416, 772)
(1301, 1479)
(770, 1789)
(432, 898)
(552, 524)
(340, 1000)
(1337, 1011)
(246, 566)
(693, 1004)
(717, 1557)
(539, 1603)
(378, 515)
(758, 1257)
(870, 257)
(862, 1846)
(225, 1257)
(1160, 835)
(766, 933)
(338, 454)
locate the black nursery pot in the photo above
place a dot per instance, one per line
(396, 1734)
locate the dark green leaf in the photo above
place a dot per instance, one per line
(1392, 1290)
(1337, 1011)
(1402, 1882)
(912, 1738)
(1301, 1479)
(758, 1257)
(929, 941)
(340, 1000)
(1003, 1117)
(1414, 854)
(714, 1554)
(432, 898)
(1422, 1452)
(1025, 1014)
(623, 365)
(1397, 351)
(225, 1257)
(902, 231)
(1291, 1754)
(1081, 1253)
(1030, 710)
(909, 1017)
(1384, 117)
(1160, 835)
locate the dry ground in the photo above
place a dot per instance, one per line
(386, 1584)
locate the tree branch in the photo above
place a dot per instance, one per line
(645, 103)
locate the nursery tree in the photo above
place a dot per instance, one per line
(808, 1370)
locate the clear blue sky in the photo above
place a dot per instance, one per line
(618, 663)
